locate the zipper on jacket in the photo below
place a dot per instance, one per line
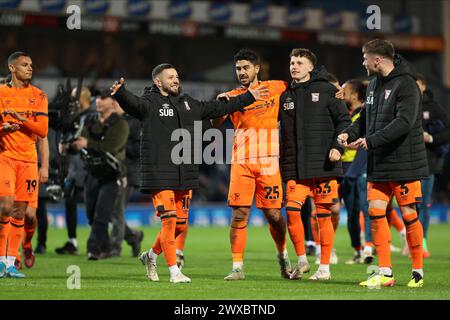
(180, 126)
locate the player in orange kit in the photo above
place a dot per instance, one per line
(254, 168)
(24, 117)
(31, 211)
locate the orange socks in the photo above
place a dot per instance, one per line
(335, 212)
(238, 240)
(157, 244)
(5, 226)
(30, 228)
(414, 236)
(295, 227)
(181, 233)
(326, 233)
(277, 230)
(15, 236)
(381, 236)
(394, 220)
(315, 227)
(167, 238)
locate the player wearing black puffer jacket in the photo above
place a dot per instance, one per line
(168, 175)
(311, 117)
(397, 159)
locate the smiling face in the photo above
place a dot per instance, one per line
(168, 82)
(300, 68)
(22, 68)
(246, 72)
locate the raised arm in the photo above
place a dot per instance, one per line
(216, 109)
(216, 123)
(130, 103)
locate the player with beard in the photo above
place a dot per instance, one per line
(165, 174)
(255, 167)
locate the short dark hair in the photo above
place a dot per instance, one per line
(302, 52)
(16, 55)
(160, 68)
(380, 47)
(359, 87)
(332, 78)
(420, 77)
(246, 54)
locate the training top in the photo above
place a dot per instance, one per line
(32, 103)
(256, 129)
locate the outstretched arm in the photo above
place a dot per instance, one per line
(130, 103)
(216, 109)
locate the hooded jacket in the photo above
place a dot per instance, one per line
(164, 165)
(311, 118)
(394, 135)
(436, 122)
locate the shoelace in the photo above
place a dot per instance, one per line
(416, 276)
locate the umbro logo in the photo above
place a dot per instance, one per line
(166, 111)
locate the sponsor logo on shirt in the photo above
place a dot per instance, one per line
(369, 99)
(288, 105)
(166, 111)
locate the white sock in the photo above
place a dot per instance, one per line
(310, 243)
(3, 259)
(302, 259)
(324, 268)
(238, 265)
(73, 241)
(179, 252)
(174, 270)
(403, 232)
(283, 255)
(368, 250)
(419, 271)
(153, 256)
(317, 249)
(10, 261)
(386, 271)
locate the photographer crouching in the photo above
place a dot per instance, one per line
(102, 146)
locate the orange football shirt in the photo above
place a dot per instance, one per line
(31, 103)
(256, 129)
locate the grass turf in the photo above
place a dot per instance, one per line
(208, 261)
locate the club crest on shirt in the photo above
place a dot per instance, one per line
(426, 115)
(386, 94)
(32, 102)
(315, 97)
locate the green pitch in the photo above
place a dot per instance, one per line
(208, 261)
